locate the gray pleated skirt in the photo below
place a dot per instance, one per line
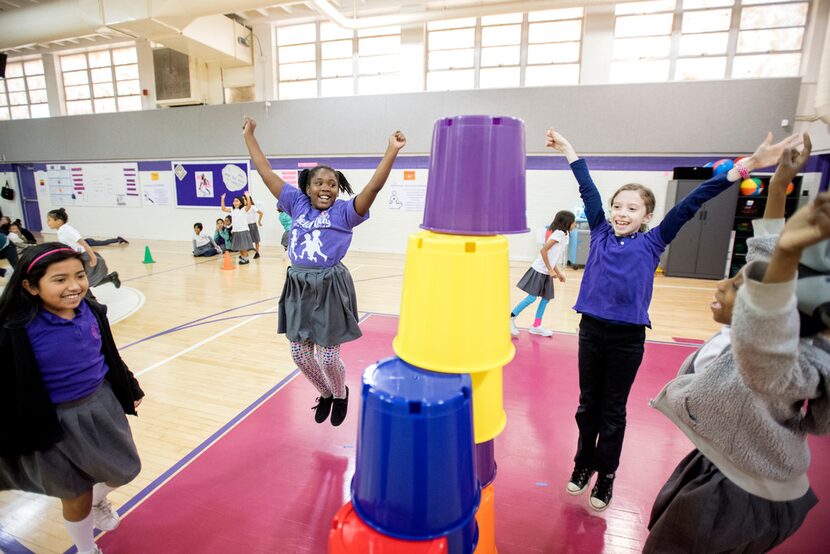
(319, 305)
(95, 274)
(242, 241)
(97, 447)
(253, 228)
(536, 284)
(284, 240)
(699, 510)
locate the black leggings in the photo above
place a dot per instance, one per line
(609, 357)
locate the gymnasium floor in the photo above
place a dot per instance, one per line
(232, 461)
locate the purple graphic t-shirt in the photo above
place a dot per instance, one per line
(318, 239)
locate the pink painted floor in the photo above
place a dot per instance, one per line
(274, 482)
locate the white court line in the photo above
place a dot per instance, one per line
(200, 343)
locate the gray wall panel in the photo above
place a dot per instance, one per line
(665, 118)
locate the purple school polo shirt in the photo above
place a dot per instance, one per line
(68, 353)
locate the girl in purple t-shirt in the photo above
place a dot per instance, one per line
(318, 305)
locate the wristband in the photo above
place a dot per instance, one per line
(742, 170)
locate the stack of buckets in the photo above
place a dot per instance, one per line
(425, 464)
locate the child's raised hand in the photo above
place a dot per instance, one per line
(223, 196)
(792, 162)
(397, 140)
(248, 126)
(556, 141)
(768, 153)
(807, 226)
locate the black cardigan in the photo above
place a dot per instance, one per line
(28, 421)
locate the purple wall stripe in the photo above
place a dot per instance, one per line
(154, 166)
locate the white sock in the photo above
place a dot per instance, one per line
(81, 533)
(100, 492)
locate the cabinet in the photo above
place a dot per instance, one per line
(752, 207)
(701, 248)
(579, 241)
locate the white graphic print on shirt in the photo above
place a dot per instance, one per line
(312, 245)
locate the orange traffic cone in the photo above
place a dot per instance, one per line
(228, 264)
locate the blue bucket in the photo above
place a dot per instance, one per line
(415, 475)
(486, 463)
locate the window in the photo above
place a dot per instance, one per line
(101, 81)
(501, 51)
(23, 91)
(642, 41)
(540, 48)
(553, 47)
(297, 61)
(704, 39)
(379, 60)
(342, 61)
(770, 38)
(451, 54)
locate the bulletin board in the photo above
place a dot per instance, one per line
(201, 184)
(101, 184)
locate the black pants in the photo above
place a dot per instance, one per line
(609, 357)
(9, 252)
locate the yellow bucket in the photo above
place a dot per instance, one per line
(489, 417)
(486, 519)
(456, 303)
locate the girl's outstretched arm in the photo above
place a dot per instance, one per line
(222, 204)
(366, 198)
(247, 195)
(271, 179)
(765, 155)
(587, 189)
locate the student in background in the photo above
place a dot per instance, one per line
(222, 236)
(203, 245)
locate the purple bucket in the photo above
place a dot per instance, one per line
(476, 176)
(486, 463)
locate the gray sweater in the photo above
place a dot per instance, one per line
(750, 412)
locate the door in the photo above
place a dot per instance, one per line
(683, 252)
(718, 216)
(28, 197)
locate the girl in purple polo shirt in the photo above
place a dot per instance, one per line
(614, 298)
(318, 305)
(64, 391)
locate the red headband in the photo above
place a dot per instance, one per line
(36, 260)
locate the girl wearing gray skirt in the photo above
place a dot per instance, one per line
(240, 233)
(254, 218)
(94, 264)
(64, 393)
(749, 406)
(537, 281)
(318, 305)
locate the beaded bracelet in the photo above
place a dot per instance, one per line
(742, 170)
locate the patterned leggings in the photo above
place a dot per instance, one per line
(325, 370)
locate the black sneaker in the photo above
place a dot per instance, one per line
(339, 409)
(243, 261)
(256, 256)
(580, 478)
(322, 409)
(113, 278)
(122, 240)
(602, 492)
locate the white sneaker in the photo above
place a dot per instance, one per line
(104, 517)
(95, 550)
(541, 331)
(513, 329)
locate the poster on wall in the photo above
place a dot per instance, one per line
(155, 188)
(408, 192)
(93, 184)
(202, 184)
